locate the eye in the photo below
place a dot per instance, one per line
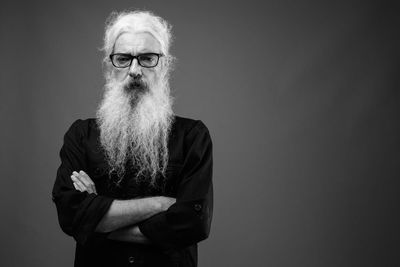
(147, 58)
(122, 59)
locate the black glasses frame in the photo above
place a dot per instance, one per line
(137, 58)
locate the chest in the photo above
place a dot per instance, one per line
(130, 186)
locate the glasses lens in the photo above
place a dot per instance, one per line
(121, 60)
(148, 60)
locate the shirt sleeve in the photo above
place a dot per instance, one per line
(188, 221)
(78, 212)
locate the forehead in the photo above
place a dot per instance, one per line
(136, 42)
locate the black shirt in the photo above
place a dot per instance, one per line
(174, 233)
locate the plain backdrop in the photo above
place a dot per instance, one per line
(301, 99)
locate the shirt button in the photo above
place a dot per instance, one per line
(131, 259)
(197, 207)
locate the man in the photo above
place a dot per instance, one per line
(134, 187)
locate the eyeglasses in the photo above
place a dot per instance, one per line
(146, 60)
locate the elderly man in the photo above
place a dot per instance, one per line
(135, 183)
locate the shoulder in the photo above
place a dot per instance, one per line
(191, 130)
(188, 125)
(81, 127)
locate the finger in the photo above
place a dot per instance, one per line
(89, 181)
(86, 177)
(83, 183)
(78, 183)
(82, 179)
(77, 187)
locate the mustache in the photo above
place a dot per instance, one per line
(136, 84)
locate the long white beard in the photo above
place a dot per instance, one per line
(134, 128)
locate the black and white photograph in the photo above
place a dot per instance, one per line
(200, 133)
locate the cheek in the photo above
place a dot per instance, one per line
(151, 75)
(119, 74)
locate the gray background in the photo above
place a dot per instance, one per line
(301, 98)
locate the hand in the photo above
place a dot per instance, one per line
(82, 182)
(165, 202)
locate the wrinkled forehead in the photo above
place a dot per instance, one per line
(137, 25)
(136, 42)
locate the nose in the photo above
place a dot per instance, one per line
(135, 69)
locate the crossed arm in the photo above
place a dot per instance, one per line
(122, 218)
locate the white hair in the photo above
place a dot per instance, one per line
(129, 21)
(134, 127)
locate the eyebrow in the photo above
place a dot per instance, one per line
(146, 51)
(138, 54)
